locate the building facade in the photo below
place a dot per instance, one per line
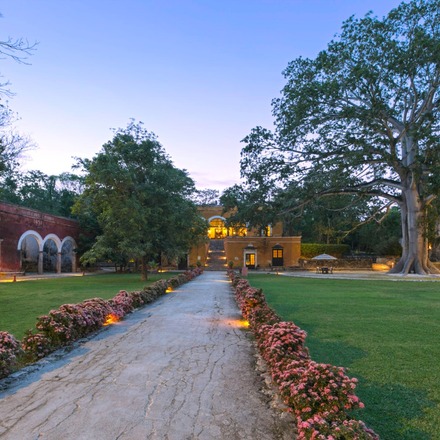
(243, 247)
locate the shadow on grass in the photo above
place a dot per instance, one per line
(388, 407)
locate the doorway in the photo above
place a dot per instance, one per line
(250, 260)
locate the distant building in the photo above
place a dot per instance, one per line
(34, 241)
(242, 246)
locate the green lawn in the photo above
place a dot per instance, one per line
(386, 333)
(22, 302)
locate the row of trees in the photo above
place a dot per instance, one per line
(359, 125)
(132, 202)
(356, 137)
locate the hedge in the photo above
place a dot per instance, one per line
(319, 395)
(310, 250)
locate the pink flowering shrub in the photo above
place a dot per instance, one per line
(260, 315)
(97, 309)
(121, 304)
(195, 272)
(281, 341)
(320, 395)
(320, 389)
(73, 321)
(57, 327)
(35, 346)
(161, 286)
(9, 351)
(177, 280)
(248, 299)
(319, 428)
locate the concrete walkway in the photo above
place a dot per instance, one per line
(181, 368)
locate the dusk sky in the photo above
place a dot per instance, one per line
(200, 74)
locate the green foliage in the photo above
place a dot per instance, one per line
(140, 200)
(250, 206)
(36, 190)
(310, 250)
(381, 238)
(361, 118)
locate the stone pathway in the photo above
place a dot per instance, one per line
(181, 368)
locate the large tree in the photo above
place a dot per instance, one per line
(141, 200)
(364, 114)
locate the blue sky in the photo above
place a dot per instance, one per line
(200, 74)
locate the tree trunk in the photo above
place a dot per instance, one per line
(414, 244)
(144, 269)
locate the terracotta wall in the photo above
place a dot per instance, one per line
(236, 247)
(16, 220)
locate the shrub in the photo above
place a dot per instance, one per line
(9, 351)
(121, 304)
(320, 389)
(98, 309)
(35, 346)
(262, 315)
(281, 341)
(319, 428)
(310, 250)
(57, 326)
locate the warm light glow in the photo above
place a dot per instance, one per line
(240, 323)
(169, 289)
(111, 319)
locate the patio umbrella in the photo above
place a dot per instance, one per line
(324, 257)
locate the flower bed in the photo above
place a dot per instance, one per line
(319, 395)
(71, 322)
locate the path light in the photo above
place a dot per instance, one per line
(169, 289)
(240, 323)
(111, 319)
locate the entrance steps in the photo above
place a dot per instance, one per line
(216, 255)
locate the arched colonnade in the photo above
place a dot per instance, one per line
(48, 254)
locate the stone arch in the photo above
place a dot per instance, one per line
(30, 233)
(217, 227)
(68, 254)
(55, 239)
(29, 247)
(51, 253)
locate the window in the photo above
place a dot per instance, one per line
(277, 253)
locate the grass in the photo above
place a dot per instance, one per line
(385, 333)
(22, 302)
